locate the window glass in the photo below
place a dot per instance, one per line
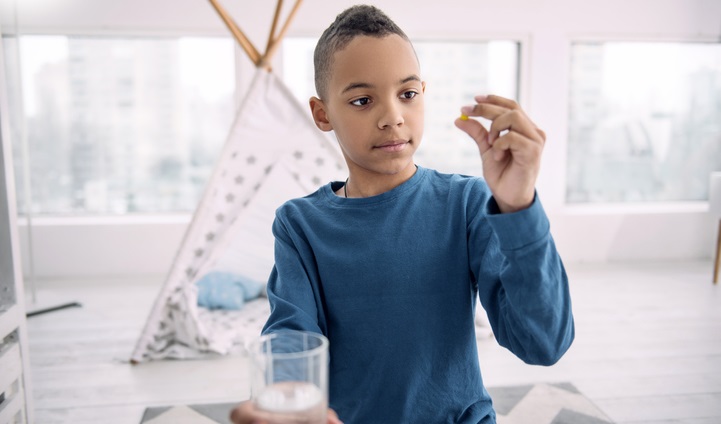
(122, 125)
(644, 122)
(454, 71)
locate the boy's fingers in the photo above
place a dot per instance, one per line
(243, 414)
(484, 110)
(333, 417)
(498, 100)
(492, 107)
(524, 149)
(509, 123)
(514, 121)
(247, 413)
(476, 130)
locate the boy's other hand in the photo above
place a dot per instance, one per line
(510, 149)
(247, 413)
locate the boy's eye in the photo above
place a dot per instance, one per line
(360, 102)
(409, 95)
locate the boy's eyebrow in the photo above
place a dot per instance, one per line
(354, 85)
(411, 78)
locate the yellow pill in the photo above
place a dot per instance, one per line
(464, 117)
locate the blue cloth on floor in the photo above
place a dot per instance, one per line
(225, 290)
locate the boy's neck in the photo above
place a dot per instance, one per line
(365, 184)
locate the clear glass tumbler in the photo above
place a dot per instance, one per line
(289, 376)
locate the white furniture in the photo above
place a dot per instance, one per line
(14, 360)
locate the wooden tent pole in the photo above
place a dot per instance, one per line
(265, 60)
(237, 33)
(273, 27)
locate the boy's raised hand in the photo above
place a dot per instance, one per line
(510, 149)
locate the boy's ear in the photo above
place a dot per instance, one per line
(320, 115)
(423, 86)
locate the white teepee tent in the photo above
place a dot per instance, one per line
(273, 152)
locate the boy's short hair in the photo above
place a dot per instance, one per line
(353, 22)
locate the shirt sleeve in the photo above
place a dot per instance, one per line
(522, 283)
(294, 299)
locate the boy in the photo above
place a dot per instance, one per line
(388, 264)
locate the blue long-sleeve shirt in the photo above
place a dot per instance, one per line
(392, 281)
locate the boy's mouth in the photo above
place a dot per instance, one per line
(393, 146)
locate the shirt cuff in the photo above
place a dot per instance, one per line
(518, 229)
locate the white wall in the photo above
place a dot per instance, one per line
(546, 27)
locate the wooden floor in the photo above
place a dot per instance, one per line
(647, 350)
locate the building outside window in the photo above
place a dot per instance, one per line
(644, 122)
(120, 125)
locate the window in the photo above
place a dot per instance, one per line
(455, 72)
(645, 121)
(123, 125)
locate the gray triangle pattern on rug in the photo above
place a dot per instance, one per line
(213, 412)
(566, 386)
(506, 398)
(153, 412)
(572, 417)
(551, 403)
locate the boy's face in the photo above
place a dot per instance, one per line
(374, 104)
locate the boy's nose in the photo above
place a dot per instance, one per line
(391, 117)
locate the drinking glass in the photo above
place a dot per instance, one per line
(289, 376)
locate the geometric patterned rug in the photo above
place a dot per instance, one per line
(553, 403)
(192, 414)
